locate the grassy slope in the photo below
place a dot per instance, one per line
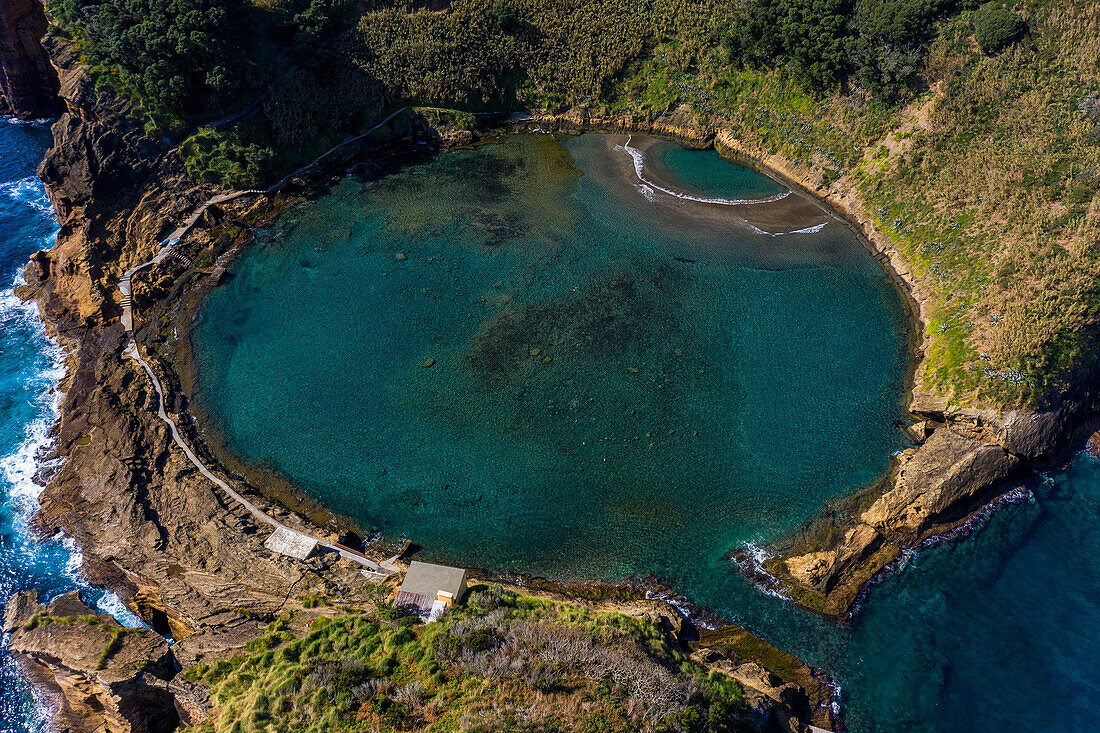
(502, 663)
(991, 194)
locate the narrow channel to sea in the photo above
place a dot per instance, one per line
(992, 631)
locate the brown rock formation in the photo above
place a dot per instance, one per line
(28, 84)
(97, 675)
(934, 488)
(1093, 444)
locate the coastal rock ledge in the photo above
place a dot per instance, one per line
(93, 673)
(934, 488)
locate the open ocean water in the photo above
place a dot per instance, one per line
(30, 367)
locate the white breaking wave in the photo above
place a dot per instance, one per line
(646, 192)
(28, 191)
(639, 169)
(109, 602)
(18, 468)
(25, 123)
(806, 230)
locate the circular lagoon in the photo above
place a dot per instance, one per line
(588, 357)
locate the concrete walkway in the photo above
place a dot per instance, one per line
(373, 570)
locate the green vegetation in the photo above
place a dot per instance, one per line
(968, 132)
(995, 27)
(502, 663)
(176, 56)
(216, 158)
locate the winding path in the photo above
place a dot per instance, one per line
(131, 351)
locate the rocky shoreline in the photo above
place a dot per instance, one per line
(192, 564)
(189, 562)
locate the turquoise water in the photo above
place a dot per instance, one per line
(596, 406)
(997, 632)
(30, 367)
(309, 360)
(703, 173)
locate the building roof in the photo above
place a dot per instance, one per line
(293, 544)
(424, 581)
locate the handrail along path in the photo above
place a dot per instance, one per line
(131, 351)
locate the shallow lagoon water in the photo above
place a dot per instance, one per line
(309, 361)
(616, 391)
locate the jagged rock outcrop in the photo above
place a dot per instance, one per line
(97, 675)
(937, 484)
(781, 692)
(28, 83)
(934, 487)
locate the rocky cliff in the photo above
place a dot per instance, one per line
(93, 673)
(187, 560)
(28, 83)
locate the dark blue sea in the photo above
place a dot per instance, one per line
(30, 367)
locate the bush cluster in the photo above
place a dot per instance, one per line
(879, 44)
(996, 27)
(505, 662)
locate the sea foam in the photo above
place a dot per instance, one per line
(639, 169)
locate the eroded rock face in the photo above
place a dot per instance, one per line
(1093, 445)
(28, 83)
(935, 486)
(98, 675)
(945, 479)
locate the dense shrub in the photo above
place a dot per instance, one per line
(892, 36)
(504, 662)
(996, 27)
(222, 159)
(810, 37)
(824, 42)
(178, 57)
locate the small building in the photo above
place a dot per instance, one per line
(430, 589)
(287, 542)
